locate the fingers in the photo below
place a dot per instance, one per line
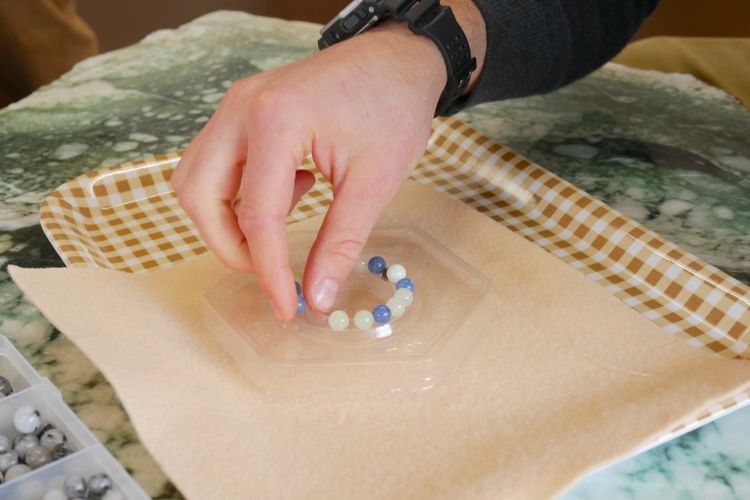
(206, 183)
(304, 180)
(270, 184)
(357, 203)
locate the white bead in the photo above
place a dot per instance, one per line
(397, 307)
(361, 266)
(405, 296)
(395, 273)
(17, 470)
(338, 320)
(363, 320)
(55, 495)
(27, 420)
(112, 495)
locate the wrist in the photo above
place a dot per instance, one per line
(418, 60)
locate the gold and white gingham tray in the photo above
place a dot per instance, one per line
(126, 217)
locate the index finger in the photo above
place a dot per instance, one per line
(265, 193)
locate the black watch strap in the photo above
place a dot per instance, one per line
(424, 17)
(438, 23)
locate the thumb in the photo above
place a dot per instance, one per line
(356, 205)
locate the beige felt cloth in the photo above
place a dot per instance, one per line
(565, 379)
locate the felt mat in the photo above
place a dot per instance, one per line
(565, 378)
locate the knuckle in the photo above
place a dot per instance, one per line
(346, 248)
(250, 221)
(266, 107)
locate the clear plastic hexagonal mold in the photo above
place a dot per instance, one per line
(410, 353)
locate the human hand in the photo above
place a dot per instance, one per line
(363, 109)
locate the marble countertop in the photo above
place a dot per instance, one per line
(666, 150)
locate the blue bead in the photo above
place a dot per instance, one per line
(301, 304)
(298, 287)
(376, 265)
(382, 314)
(405, 283)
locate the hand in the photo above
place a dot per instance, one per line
(363, 109)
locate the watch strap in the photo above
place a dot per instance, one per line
(438, 23)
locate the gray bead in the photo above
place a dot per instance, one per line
(99, 485)
(23, 442)
(60, 452)
(37, 456)
(16, 471)
(5, 388)
(8, 460)
(5, 444)
(74, 487)
(52, 438)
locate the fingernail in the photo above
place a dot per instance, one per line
(324, 294)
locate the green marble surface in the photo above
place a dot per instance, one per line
(666, 150)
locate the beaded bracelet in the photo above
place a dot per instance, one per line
(381, 314)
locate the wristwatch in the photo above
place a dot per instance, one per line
(424, 17)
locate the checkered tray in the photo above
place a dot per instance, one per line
(127, 218)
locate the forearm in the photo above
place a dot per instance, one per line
(536, 46)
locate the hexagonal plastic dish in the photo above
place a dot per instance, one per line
(411, 353)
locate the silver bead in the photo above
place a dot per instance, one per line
(8, 460)
(16, 471)
(6, 389)
(5, 444)
(99, 485)
(74, 487)
(23, 443)
(37, 456)
(52, 438)
(27, 420)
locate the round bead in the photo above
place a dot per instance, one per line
(113, 494)
(74, 487)
(17, 470)
(363, 320)
(5, 388)
(361, 266)
(395, 272)
(301, 304)
(37, 456)
(8, 460)
(27, 420)
(52, 438)
(397, 307)
(5, 444)
(376, 265)
(298, 286)
(404, 295)
(23, 443)
(382, 314)
(338, 320)
(55, 495)
(405, 283)
(99, 484)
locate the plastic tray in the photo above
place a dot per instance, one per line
(89, 456)
(126, 217)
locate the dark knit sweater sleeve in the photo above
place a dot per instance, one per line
(536, 46)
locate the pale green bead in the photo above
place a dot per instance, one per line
(361, 266)
(363, 320)
(397, 307)
(395, 273)
(404, 295)
(338, 320)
